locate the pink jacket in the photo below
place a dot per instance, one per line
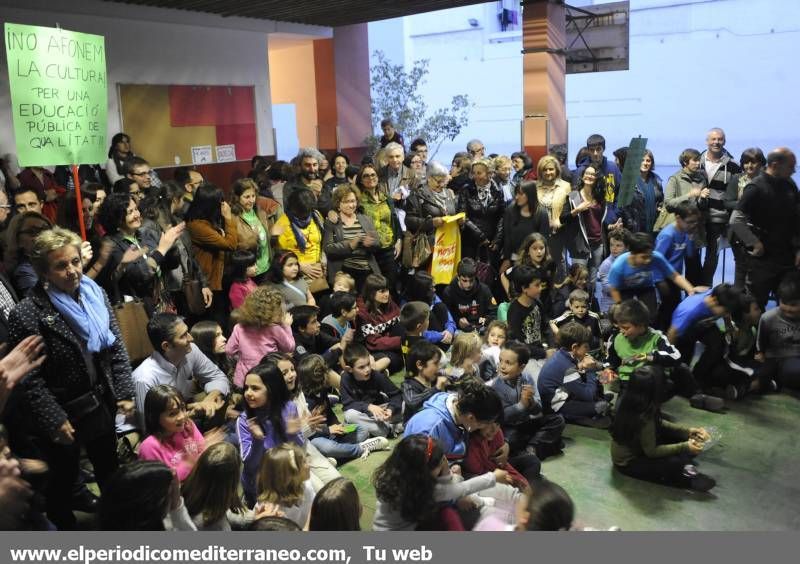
(252, 343)
(239, 291)
(179, 452)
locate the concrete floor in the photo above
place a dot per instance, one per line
(755, 465)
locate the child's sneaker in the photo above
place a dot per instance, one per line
(373, 444)
(332, 461)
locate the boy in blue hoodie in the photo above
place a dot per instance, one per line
(527, 429)
(568, 383)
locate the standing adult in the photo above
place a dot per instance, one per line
(390, 134)
(396, 179)
(379, 207)
(426, 207)
(651, 188)
(767, 221)
(583, 233)
(251, 224)
(503, 167)
(339, 163)
(308, 161)
(420, 148)
(719, 167)
(552, 194)
(753, 162)
(522, 218)
(484, 205)
(118, 154)
(350, 243)
(210, 224)
(595, 147)
(20, 235)
(85, 379)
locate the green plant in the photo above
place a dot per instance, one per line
(395, 95)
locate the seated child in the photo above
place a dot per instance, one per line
(779, 335)
(645, 446)
(243, 270)
(342, 282)
(332, 439)
(544, 506)
(488, 450)
(495, 336)
(369, 398)
(577, 279)
(579, 313)
(616, 246)
(342, 317)
(634, 274)
(469, 300)
(414, 321)
(284, 484)
(377, 322)
(526, 428)
(637, 344)
(441, 327)
(527, 321)
(422, 377)
(568, 383)
(309, 339)
(465, 354)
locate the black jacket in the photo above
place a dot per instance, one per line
(483, 219)
(64, 376)
(471, 305)
(420, 211)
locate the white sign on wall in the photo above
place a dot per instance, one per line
(226, 153)
(202, 154)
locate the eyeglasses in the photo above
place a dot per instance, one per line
(143, 173)
(370, 175)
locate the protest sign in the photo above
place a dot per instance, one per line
(201, 154)
(446, 249)
(59, 95)
(226, 153)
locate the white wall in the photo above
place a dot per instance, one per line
(159, 46)
(694, 64)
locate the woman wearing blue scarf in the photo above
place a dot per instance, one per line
(74, 395)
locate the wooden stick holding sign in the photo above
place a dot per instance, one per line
(79, 200)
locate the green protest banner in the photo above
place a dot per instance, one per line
(630, 174)
(59, 95)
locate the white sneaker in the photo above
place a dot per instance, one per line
(373, 444)
(333, 461)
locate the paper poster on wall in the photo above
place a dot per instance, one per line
(201, 154)
(59, 96)
(226, 153)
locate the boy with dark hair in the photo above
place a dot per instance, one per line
(469, 300)
(636, 344)
(526, 428)
(778, 341)
(579, 313)
(369, 398)
(634, 274)
(616, 245)
(422, 380)
(568, 383)
(676, 243)
(343, 315)
(310, 340)
(526, 318)
(414, 320)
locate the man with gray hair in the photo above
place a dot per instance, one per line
(718, 166)
(396, 179)
(308, 160)
(767, 221)
(476, 149)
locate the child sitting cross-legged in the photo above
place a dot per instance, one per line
(778, 341)
(465, 355)
(496, 335)
(578, 312)
(369, 398)
(527, 321)
(568, 383)
(414, 321)
(309, 339)
(526, 428)
(332, 439)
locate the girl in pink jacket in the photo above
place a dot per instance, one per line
(262, 327)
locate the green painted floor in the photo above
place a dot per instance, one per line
(755, 464)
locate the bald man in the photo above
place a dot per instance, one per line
(718, 166)
(767, 220)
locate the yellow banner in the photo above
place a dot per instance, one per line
(446, 249)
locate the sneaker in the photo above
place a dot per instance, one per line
(731, 392)
(397, 429)
(373, 444)
(709, 403)
(702, 483)
(333, 461)
(334, 399)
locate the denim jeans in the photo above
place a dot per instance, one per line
(341, 446)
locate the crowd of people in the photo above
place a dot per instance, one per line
(210, 357)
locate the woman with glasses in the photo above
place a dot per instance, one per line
(128, 187)
(426, 207)
(350, 242)
(378, 207)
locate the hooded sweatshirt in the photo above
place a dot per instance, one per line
(436, 420)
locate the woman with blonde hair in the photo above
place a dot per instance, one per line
(552, 193)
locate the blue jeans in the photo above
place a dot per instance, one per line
(341, 446)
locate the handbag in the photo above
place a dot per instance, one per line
(664, 218)
(483, 269)
(192, 290)
(416, 249)
(132, 319)
(317, 285)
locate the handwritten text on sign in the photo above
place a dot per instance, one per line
(59, 95)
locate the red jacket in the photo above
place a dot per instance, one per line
(379, 332)
(479, 458)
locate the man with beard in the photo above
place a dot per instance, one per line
(309, 159)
